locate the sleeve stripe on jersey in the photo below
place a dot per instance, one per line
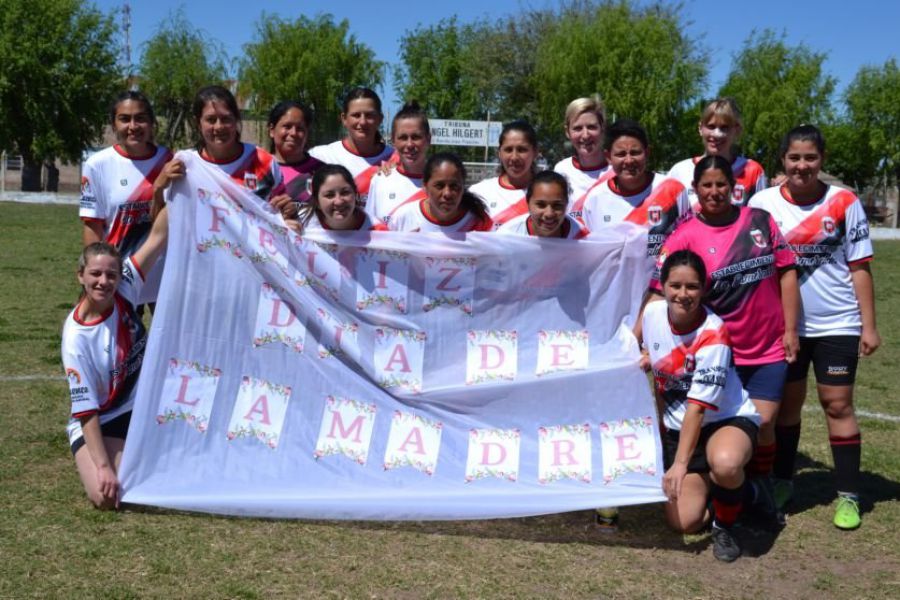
(860, 261)
(138, 268)
(93, 220)
(705, 405)
(85, 413)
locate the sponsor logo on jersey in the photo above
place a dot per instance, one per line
(250, 181)
(690, 363)
(758, 238)
(73, 376)
(86, 187)
(654, 214)
(859, 232)
(737, 194)
(828, 225)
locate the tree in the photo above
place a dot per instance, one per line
(777, 87)
(58, 68)
(311, 60)
(638, 60)
(177, 61)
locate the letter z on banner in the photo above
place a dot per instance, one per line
(383, 375)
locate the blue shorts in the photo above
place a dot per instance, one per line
(764, 382)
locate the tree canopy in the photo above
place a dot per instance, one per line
(57, 75)
(315, 61)
(177, 61)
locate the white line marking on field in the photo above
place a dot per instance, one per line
(861, 413)
(31, 377)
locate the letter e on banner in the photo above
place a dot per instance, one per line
(562, 351)
(629, 446)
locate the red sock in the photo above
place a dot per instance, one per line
(761, 463)
(727, 504)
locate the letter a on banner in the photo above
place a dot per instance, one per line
(259, 411)
(398, 358)
(346, 429)
(413, 442)
(188, 392)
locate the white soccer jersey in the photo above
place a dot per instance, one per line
(103, 358)
(368, 224)
(749, 176)
(503, 202)
(580, 181)
(412, 217)
(694, 367)
(521, 225)
(387, 192)
(255, 169)
(827, 235)
(658, 208)
(363, 168)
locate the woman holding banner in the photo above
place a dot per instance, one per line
(362, 151)
(504, 195)
(103, 344)
(334, 204)
(448, 207)
(411, 137)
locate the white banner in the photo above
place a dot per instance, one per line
(384, 375)
(450, 132)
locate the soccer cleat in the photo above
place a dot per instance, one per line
(764, 507)
(783, 492)
(846, 515)
(725, 545)
(607, 519)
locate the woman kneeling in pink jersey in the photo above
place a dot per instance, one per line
(711, 424)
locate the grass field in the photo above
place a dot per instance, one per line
(53, 544)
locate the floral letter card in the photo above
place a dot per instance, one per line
(259, 411)
(346, 429)
(629, 446)
(398, 358)
(449, 282)
(491, 356)
(564, 452)
(188, 393)
(562, 351)
(413, 442)
(266, 243)
(319, 266)
(219, 222)
(381, 277)
(493, 453)
(337, 337)
(276, 321)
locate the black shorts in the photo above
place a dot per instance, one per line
(698, 463)
(834, 359)
(117, 428)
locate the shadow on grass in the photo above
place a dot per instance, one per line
(814, 486)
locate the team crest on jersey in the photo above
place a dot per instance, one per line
(690, 363)
(123, 182)
(73, 376)
(654, 215)
(828, 225)
(712, 249)
(606, 218)
(391, 196)
(737, 194)
(250, 181)
(758, 238)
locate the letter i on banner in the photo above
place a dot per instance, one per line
(449, 282)
(493, 453)
(259, 411)
(398, 358)
(413, 442)
(491, 355)
(276, 321)
(346, 429)
(629, 446)
(381, 279)
(562, 351)
(219, 223)
(337, 337)
(564, 452)
(266, 243)
(188, 393)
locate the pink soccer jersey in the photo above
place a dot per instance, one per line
(503, 202)
(412, 217)
(521, 225)
(694, 367)
(750, 178)
(388, 192)
(828, 235)
(581, 181)
(363, 168)
(298, 178)
(743, 260)
(658, 208)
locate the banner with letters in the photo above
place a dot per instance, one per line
(384, 375)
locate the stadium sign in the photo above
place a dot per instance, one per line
(449, 132)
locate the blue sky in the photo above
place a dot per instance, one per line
(853, 33)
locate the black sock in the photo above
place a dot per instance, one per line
(787, 438)
(846, 452)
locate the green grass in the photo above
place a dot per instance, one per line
(54, 545)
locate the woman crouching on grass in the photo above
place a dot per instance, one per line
(711, 423)
(103, 344)
(548, 199)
